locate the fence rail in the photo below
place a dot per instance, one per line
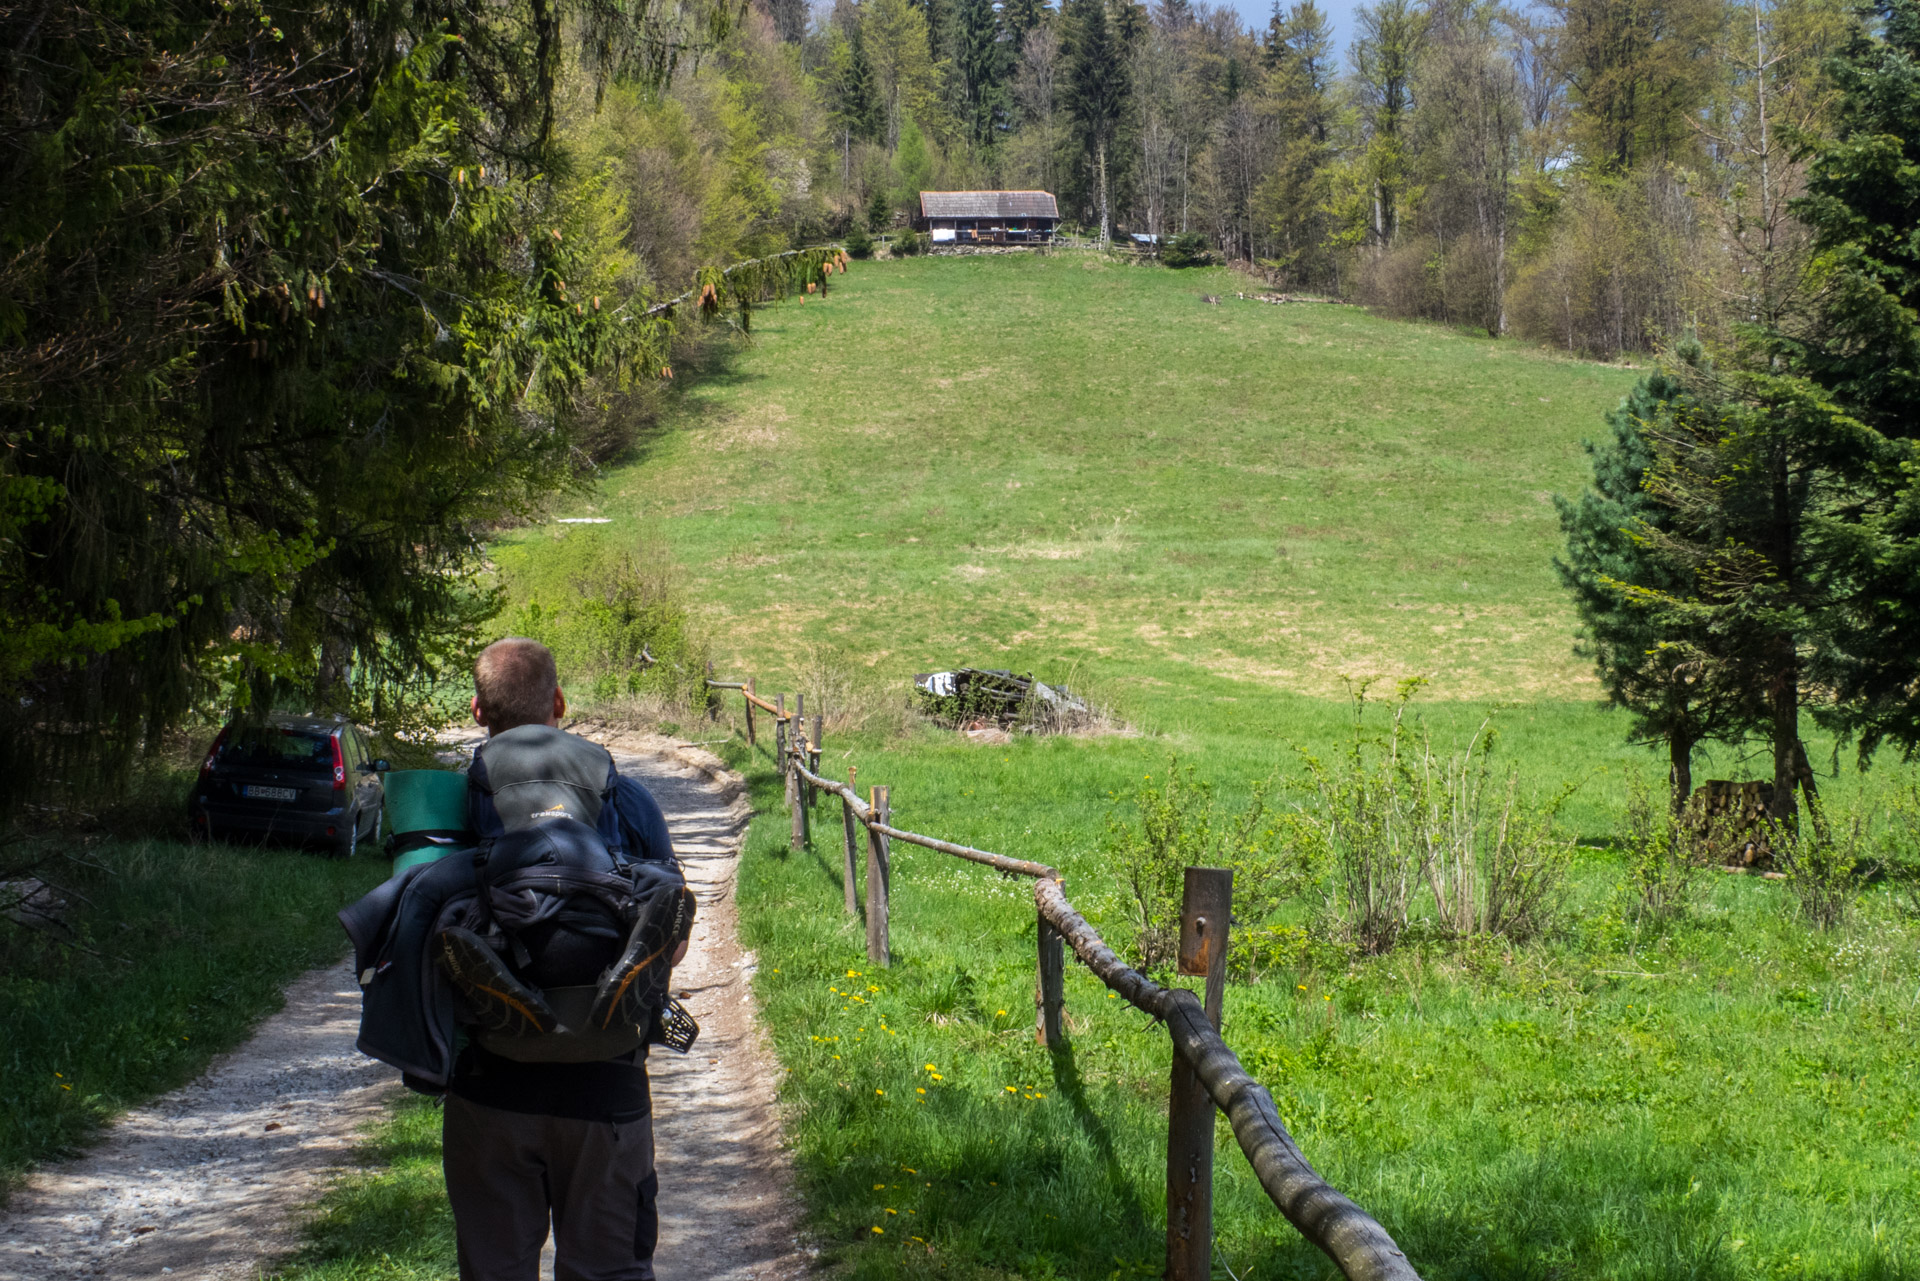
(1204, 1065)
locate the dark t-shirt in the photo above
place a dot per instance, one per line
(610, 1090)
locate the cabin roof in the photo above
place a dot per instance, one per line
(988, 204)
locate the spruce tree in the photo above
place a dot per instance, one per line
(1863, 205)
(1022, 16)
(1097, 91)
(983, 58)
(857, 92)
(1664, 674)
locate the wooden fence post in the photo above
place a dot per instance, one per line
(749, 694)
(1049, 995)
(802, 816)
(850, 872)
(878, 878)
(813, 793)
(1206, 909)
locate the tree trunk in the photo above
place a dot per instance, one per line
(1784, 703)
(1100, 153)
(1803, 770)
(1680, 767)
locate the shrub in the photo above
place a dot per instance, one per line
(1179, 827)
(859, 243)
(879, 212)
(909, 243)
(613, 618)
(1188, 249)
(1897, 852)
(1663, 857)
(1392, 819)
(1819, 865)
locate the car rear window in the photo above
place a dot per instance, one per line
(267, 747)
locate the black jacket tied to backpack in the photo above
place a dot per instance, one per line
(545, 887)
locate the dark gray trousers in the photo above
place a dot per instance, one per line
(508, 1173)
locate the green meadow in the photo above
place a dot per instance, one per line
(1216, 518)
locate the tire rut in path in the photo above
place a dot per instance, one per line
(212, 1181)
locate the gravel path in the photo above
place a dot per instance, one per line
(727, 1207)
(209, 1183)
(207, 1180)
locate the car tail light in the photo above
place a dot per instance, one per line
(339, 766)
(213, 753)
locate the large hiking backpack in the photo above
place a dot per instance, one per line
(558, 909)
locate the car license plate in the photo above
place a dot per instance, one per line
(271, 793)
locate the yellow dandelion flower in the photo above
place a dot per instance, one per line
(1011, 1089)
(1000, 1013)
(879, 1187)
(879, 1091)
(929, 1068)
(890, 1210)
(882, 1231)
(921, 1089)
(938, 1077)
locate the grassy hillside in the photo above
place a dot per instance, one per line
(1036, 461)
(1213, 513)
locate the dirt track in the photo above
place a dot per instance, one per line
(211, 1181)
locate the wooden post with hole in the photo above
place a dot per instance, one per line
(1049, 997)
(1206, 910)
(878, 877)
(850, 872)
(749, 694)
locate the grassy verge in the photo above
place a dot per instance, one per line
(388, 1220)
(179, 950)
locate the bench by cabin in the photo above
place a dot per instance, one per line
(988, 217)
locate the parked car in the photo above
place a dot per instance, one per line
(299, 778)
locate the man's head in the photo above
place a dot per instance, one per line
(515, 683)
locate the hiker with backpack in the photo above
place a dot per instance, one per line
(524, 976)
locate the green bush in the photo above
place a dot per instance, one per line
(879, 212)
(909, 243)
(1179, 828)
(1188, 249)
(1394, 826)
(612, 616)
(859, 243)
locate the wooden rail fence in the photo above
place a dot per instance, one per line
(1206, 1074)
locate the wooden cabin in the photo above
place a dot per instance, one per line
(988, 217)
